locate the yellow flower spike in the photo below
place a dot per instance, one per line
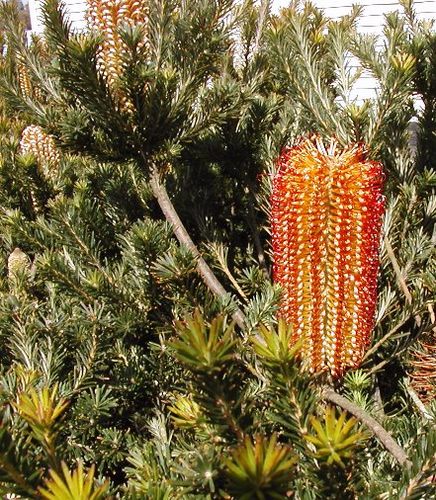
(36, 142)
(107, 17)
(24, 82)
(18, 265)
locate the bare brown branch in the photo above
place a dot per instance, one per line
(182, 235)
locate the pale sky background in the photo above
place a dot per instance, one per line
(278, 4)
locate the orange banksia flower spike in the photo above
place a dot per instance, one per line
(326, 216)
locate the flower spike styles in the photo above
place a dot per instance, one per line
(326, 216)
(107, 17)
(35, 141)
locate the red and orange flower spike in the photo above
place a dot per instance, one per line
(326, 215)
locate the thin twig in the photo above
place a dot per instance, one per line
(378, 366)
(391, 332)
(220, 254)
(400, 278)
(252, 222)
(384, 362)
(432, 316)
(182, 235)
(378, 403)
(382, 434)
(397, 270)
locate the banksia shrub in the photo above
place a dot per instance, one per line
(107, 17)
(326, 216)
(36, 142)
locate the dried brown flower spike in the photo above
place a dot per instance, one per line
(423, 364)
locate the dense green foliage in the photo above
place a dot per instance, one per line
(114, 352)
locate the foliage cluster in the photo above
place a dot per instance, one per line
(121, 374)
